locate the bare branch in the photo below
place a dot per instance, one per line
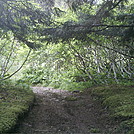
(19, 67)
(117, 51)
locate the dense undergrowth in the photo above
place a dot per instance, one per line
(15, 100)
(120, 102)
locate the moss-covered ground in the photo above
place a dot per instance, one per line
(14, 102)
(120, 102)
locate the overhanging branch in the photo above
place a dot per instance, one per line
(99, 44)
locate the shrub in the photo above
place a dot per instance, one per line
(120, 101)
(14, 101)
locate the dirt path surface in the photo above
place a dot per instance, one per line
(63, 112)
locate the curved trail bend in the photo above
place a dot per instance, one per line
(62, 112)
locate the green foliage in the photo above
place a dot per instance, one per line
(94, 130)
(87, 43)
(120, 101)
(68, 16)
(15, 100)
(11, 51)
(33, 76)
(71, 98)
(71, 86)
(127, 126)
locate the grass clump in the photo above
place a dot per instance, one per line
(71, 98)
(120, 101)
(71, 86)
(14, 102)
(94, 130)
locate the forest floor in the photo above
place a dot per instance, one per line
(63, 112)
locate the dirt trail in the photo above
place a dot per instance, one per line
(63, 112)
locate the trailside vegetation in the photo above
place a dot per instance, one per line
(120, 102)
(15, 100)
(91, 38)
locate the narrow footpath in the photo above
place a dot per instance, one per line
(62, 112)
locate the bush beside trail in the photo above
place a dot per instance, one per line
(120, 102)
(15, 100)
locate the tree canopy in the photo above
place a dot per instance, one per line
(30, 18)
(97, 36)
